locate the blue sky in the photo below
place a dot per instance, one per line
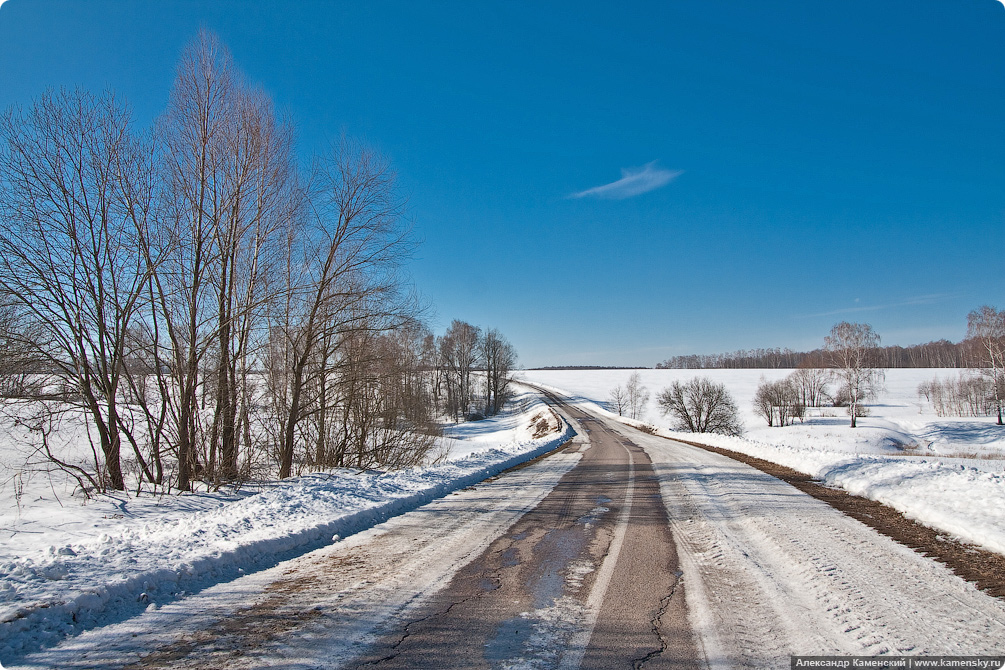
(616, 185)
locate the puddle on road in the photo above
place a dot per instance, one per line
(510, 558)
(558, 549)
(509, 642)
(537, 639)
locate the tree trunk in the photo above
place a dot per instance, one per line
(289, 433)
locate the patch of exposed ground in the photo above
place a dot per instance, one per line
(231, 638)
(545, 423)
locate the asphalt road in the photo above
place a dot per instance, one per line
(588, 578)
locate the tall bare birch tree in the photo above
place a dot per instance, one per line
(231, 187)
(261, 199)
(341, 278)
(194, 130)
(850, 350)
(986, 334)
(637, 395)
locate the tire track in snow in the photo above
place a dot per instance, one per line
(782, 573)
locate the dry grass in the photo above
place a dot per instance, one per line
(545, 423)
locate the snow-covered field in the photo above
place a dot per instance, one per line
(67, 563)
(946, 472)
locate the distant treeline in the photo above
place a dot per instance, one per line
(939, 354)
(591, 367)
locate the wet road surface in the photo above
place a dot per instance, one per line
(589, 578)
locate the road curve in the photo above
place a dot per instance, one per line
(588, 578)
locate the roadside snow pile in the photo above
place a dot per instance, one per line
(945, 473)
(46, 594)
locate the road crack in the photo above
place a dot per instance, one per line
(486, 575)
(657, 624)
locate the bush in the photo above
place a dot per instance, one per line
(700, 406)
(969, 395)
(778, 402)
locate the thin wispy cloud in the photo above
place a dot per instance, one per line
(633, 182)
(918, 300)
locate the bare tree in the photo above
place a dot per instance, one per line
(986, 334)
(72, 223)
(618, 400)
(21, 368)
(262, 198)
(700, 406)
(968, 395)
(849, 349)
(499, 359)
(231, 191)
(341, 281)
(459, 356)
(778, 402)
(429, 364)
(763, 402)
(409, 360)
(390, 422)
(637, 395)
(811, 385)
(194, 132)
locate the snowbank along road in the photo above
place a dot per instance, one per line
(620, 550)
